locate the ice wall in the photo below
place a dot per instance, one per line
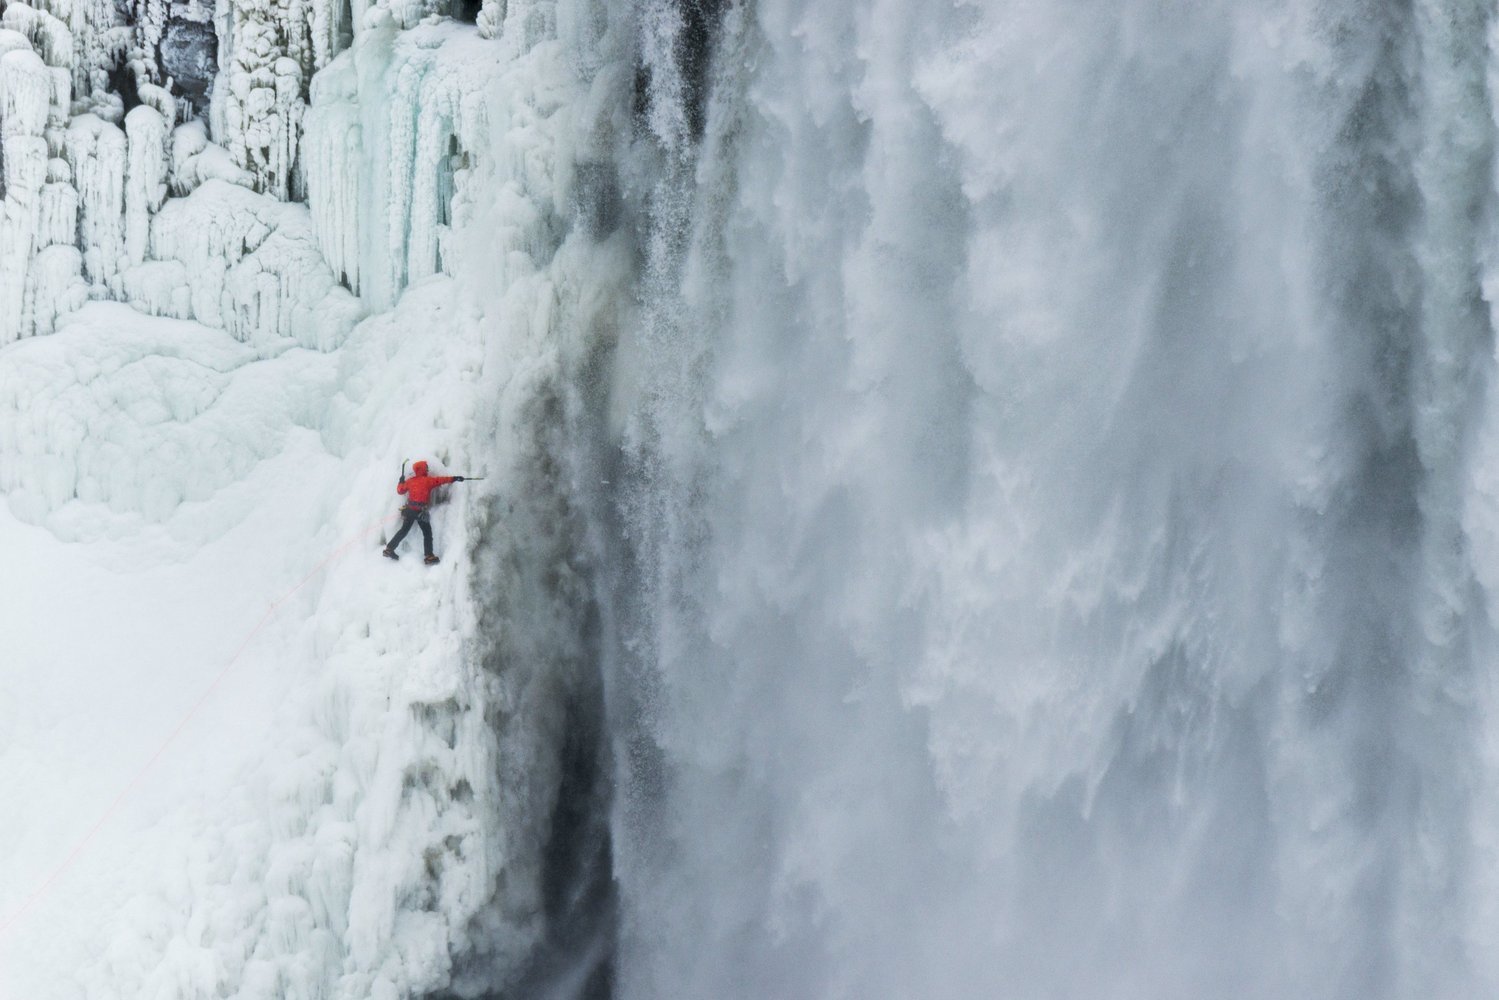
(93, 115)
(41, 265)
(424, 812)
(387, 150)
(145, 101)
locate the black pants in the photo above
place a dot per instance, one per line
(419, 518)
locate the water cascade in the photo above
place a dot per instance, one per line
(1056, 554)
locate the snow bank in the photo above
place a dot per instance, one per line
(140, 416)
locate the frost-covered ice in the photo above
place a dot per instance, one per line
(206, 462)
(330, 821)
(387, 183)
(207, 483)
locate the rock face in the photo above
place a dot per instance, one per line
(188, 55)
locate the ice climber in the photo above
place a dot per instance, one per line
(418, 491)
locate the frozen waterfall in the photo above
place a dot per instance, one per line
(995, 500)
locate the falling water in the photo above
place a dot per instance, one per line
(1054, 535)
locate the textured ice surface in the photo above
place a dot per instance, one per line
(284, 822)
(388, 185)
(363, 806)
(250, 265)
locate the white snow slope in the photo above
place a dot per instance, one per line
(241, 754)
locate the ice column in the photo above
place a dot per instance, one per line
(146, 134)
(55, 284)
(258, 107)
(25, 93)
(95, 151)
(48, 35)
(333, 155)
(386, 153)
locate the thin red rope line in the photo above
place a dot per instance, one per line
(41, 891)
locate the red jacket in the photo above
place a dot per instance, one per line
(420, 486)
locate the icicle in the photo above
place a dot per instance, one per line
(48, 35)
(253, 266)
(491, 18)
(25, 92)
(58, 221)
(151, 22)
(257, 113)
(145, 177)
(334, 158)
(96, 153)
(25, 167)
(329, 29)
(101, 43)
(429, 157)
(395, 105)
(25, 173)
(281, 160)
(55, 287)
(62, 101)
